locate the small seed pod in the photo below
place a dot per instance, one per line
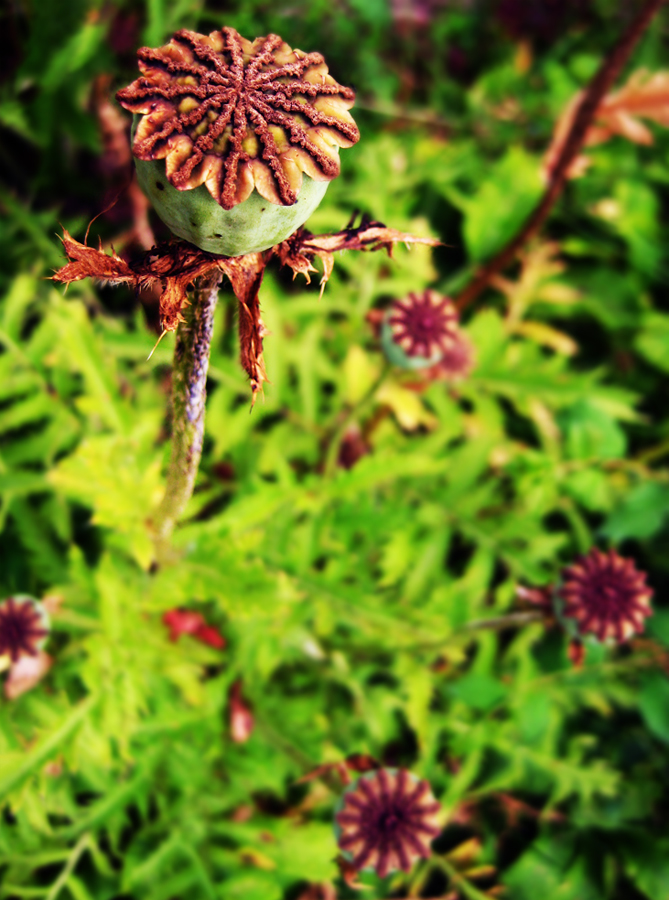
(236, 141)
(419, 330)
(386, 820)
(605, 596)
(24, 627)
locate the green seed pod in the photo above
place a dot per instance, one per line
(236, 141)
(255, 224)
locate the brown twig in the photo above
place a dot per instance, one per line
(593, 96)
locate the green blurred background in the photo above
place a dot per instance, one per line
(351, 598)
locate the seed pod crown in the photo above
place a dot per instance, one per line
(235, 115)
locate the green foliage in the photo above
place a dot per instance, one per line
(360, 605)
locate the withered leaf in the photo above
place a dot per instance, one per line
(85, 262)
(644, 95)
(300, 249)
(246, 274)
(176, 265)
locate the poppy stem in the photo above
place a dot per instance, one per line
(189, 392)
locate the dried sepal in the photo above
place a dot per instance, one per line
(356, 762)
(301, 248)
(246, 274)
(86, 262)
(176, 265)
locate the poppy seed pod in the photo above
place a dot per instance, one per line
(24, 627)
(418, 330)
(604, 595)
(236, 141)
(386, 821)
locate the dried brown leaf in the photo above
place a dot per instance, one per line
(86, 262)
(644, 95)
(301, 248)
(246, 274)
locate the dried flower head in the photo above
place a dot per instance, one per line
(606, 595)
(24, 626)
(419, 330)
(229, 116)
(387, 820)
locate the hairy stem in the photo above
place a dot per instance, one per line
(585, 114)
(189, 382)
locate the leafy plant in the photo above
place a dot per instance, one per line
(358, 541)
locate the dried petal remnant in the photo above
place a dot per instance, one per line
(388, 819)
(236, 115)
(22, 627)
(606, 595)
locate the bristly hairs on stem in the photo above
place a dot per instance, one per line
(155, 346)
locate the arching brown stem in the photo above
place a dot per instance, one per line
(593, 96)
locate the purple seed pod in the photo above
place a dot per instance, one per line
(24, 627)
(386, 821)
(419, 330)
(605, 595)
